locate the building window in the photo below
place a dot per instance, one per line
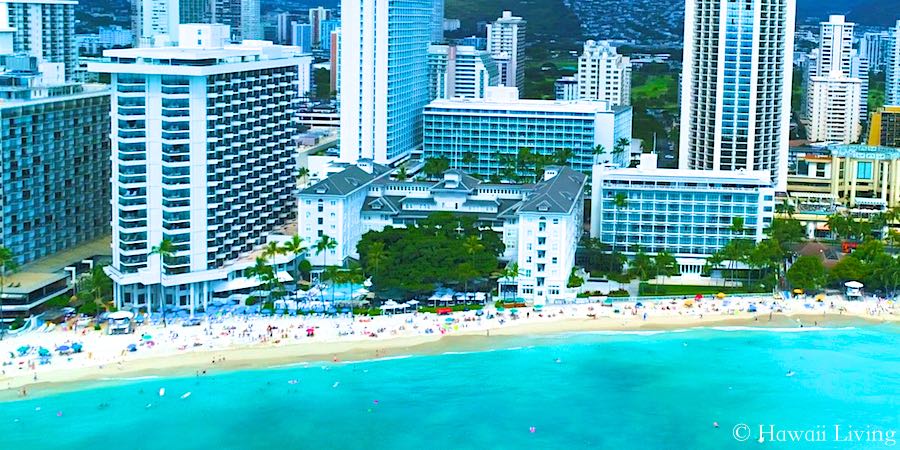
(864, 170)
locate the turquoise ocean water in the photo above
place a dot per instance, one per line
(650, 390)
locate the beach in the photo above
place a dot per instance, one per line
(235, 343)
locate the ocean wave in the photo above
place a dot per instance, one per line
(285, 366)
(146, 377)
(782, 329)
(630, 332)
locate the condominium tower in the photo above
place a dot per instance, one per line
(736, 85)
(892, 85)
(154, 22)
(603, 74)
(384, 78)
(44, 29)
(202, 144)
(506, 43)
(241, 15)
(460, 71)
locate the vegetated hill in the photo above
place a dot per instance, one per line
(548, 20)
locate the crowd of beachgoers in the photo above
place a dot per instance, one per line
(32, 357)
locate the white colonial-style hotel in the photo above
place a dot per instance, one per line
(540, 223)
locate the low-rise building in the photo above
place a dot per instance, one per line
(540, 224)
(566, 88)
(687, 213)
(853, 175)
(482, 136)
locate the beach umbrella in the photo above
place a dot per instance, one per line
(608, 301)
(698, 297)
(76, 347)
(720, 295)
(146, 337)
(688, 303)
(500, 308)
(751, 308)
(43, 352)
(23, 350)
(820, 298)
(132, 348)
(63, 348)
(514, 311)
(538, 307)
(638, 305)
(479, 313)
(798, 291)
(448, 320)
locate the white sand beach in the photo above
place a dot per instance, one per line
(248, 342)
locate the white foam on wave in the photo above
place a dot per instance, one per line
(284, 366)
(146, 377)
(782, 329)
(629, 332)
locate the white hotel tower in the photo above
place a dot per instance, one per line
(736, 86)
(202, 155)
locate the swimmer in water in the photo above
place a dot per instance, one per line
(558, 360)
(790, 373)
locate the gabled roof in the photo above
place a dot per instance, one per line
(346, 181)
(386, 204)
(466, 182)
(556, 195)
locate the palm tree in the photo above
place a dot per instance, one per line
(97, 286)
(714, 261)
(334, 275)
(472, 245)
(599, 151)
(620, 201)
(510, 272)
(8, 265)
(620, 146)
(272, 250)
(737, 225)
(165, 250)
(302, 173)
(785, 207)
(263, 272)
(376, 256)
(402, 174)
(294, 247)
(323, 245)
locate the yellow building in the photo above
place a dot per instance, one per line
(884, 128)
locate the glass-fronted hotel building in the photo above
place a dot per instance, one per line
(476, 135)
(687, 213)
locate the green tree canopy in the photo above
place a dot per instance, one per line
(807, 273)
(442, 250)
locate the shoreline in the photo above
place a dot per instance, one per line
(267, 355)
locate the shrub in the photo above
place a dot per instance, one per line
(251, 300)
(619, 293)
(17, 323)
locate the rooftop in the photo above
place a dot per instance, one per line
(558, 194)
(50, 269)
(555, 106)
(346, 181)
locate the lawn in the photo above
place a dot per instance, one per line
(687, 290)
(657, 91)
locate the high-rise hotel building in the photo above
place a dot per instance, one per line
(202, 145)
(736, 85)
(44, 29)
(384, 78)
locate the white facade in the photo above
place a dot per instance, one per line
(837, 58)
(154, 22)
(834, 115)
(540, 225)
(316, 16)
(505, 42)
(736, 105)
(460, 71)
(892, 85)
(604, 74)
(203, 155)
(687, 213)
(566, 88)
(437, 21)
(44, 29)
(874, 46)
(384, 78)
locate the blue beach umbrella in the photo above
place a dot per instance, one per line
(751, 308)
